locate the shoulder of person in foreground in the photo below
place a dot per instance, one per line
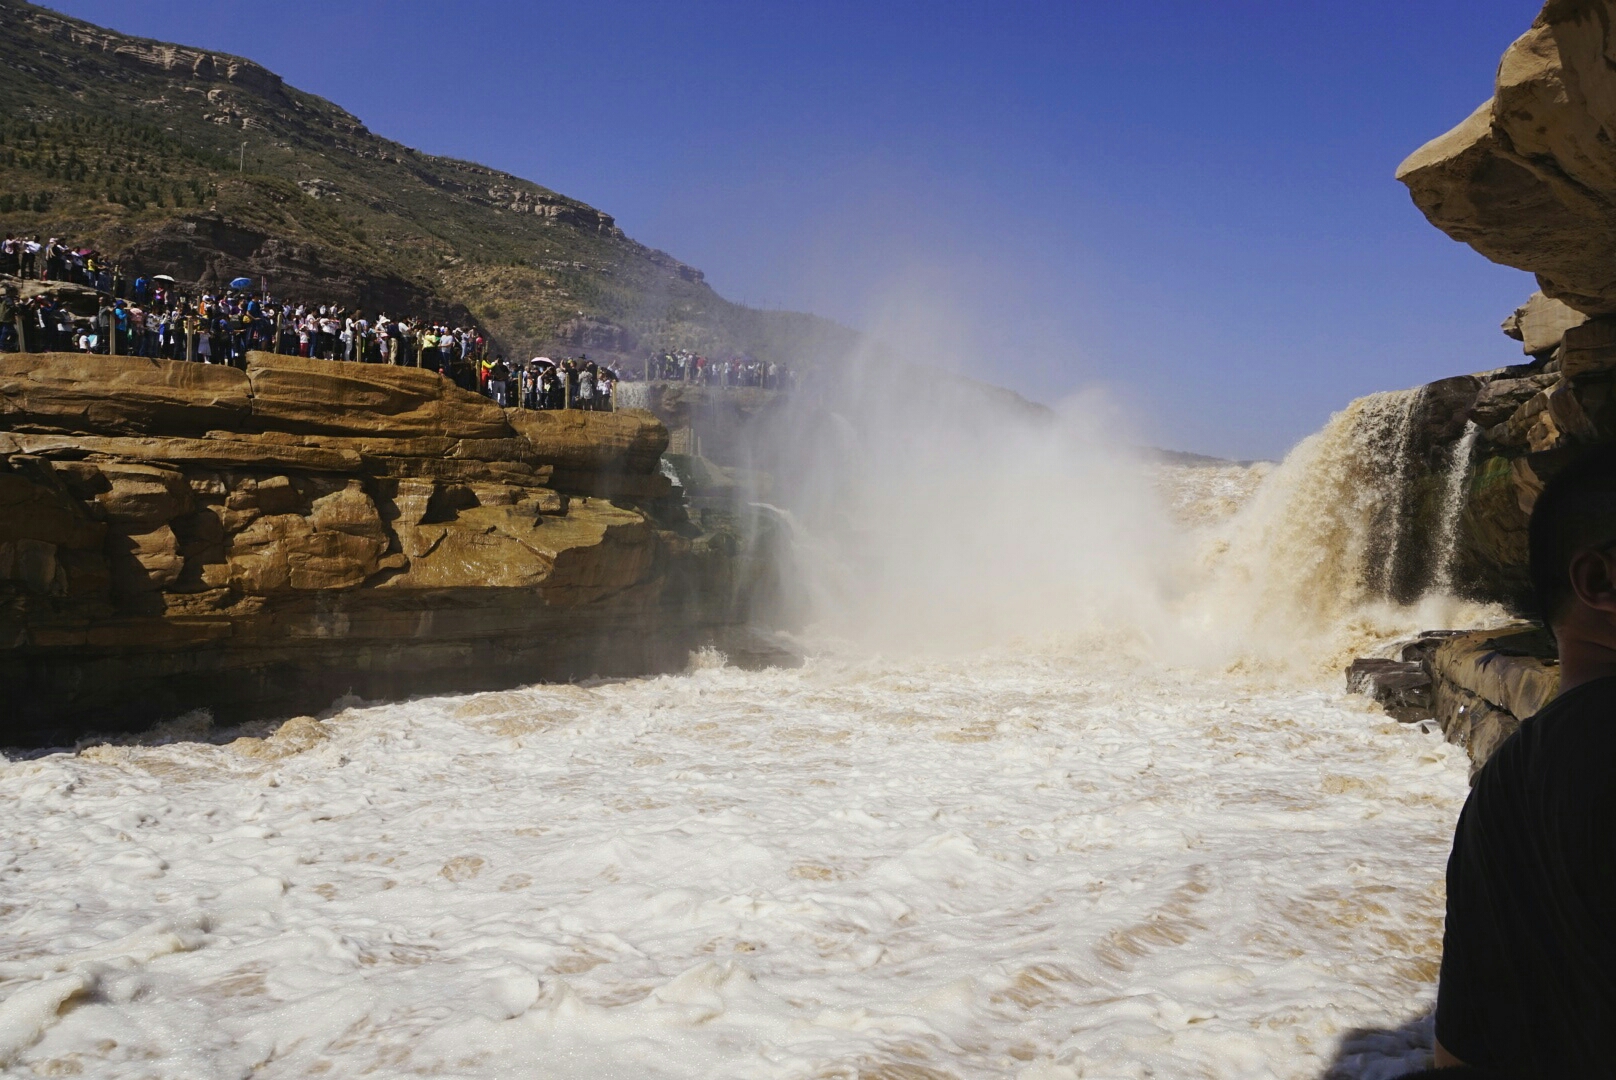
(1529, 965)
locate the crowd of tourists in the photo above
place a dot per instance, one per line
(54, 260)
(150, 317)
(569, 384)
(686, 366)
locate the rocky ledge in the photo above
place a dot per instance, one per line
(178, 536)
(1477, 685)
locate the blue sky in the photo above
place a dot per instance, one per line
(1190, 204)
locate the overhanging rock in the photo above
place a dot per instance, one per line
(1529, 178)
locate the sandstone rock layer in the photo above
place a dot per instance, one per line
(177, 536)
(1529, 178)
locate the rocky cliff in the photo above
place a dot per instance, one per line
(1528, 180)
(176, 536)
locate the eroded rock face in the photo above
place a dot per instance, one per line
(318, 397)
(1488, 681)
(1529, 178)
(262, 542)
(629, 441)
(1541, 323)
(1480, 449)
(118, 395)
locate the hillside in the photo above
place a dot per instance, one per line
(210, 166)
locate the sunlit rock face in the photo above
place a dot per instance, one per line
(1527, 178)
(175, 536)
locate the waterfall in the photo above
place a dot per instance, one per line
(632, 395)
(1391, 432)
(1318, 539)
(1455, 486)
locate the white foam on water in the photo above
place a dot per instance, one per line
(1205, 495)
(1037, 862)
(1070, 793)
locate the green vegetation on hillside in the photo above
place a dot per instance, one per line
(213, 167)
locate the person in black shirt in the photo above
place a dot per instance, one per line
(1528, 984)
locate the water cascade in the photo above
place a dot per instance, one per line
(1318, 541)
(1456, 481)
(632, 395)
(1393, 431)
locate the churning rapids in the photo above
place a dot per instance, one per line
(1152, 849)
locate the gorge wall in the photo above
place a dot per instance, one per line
(1528, 180)
(177, 536)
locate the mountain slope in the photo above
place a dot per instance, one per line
(212, 167)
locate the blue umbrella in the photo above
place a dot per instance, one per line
(241, 283)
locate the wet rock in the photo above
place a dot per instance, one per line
(1488, 681)
(411, 498)
(1402, 689)
(1500, 398)
(1492, 533)
(1446, 405)
(348, 511)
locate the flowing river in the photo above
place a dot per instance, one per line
(1086, 850)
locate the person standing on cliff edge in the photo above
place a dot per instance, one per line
(1528, 985)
